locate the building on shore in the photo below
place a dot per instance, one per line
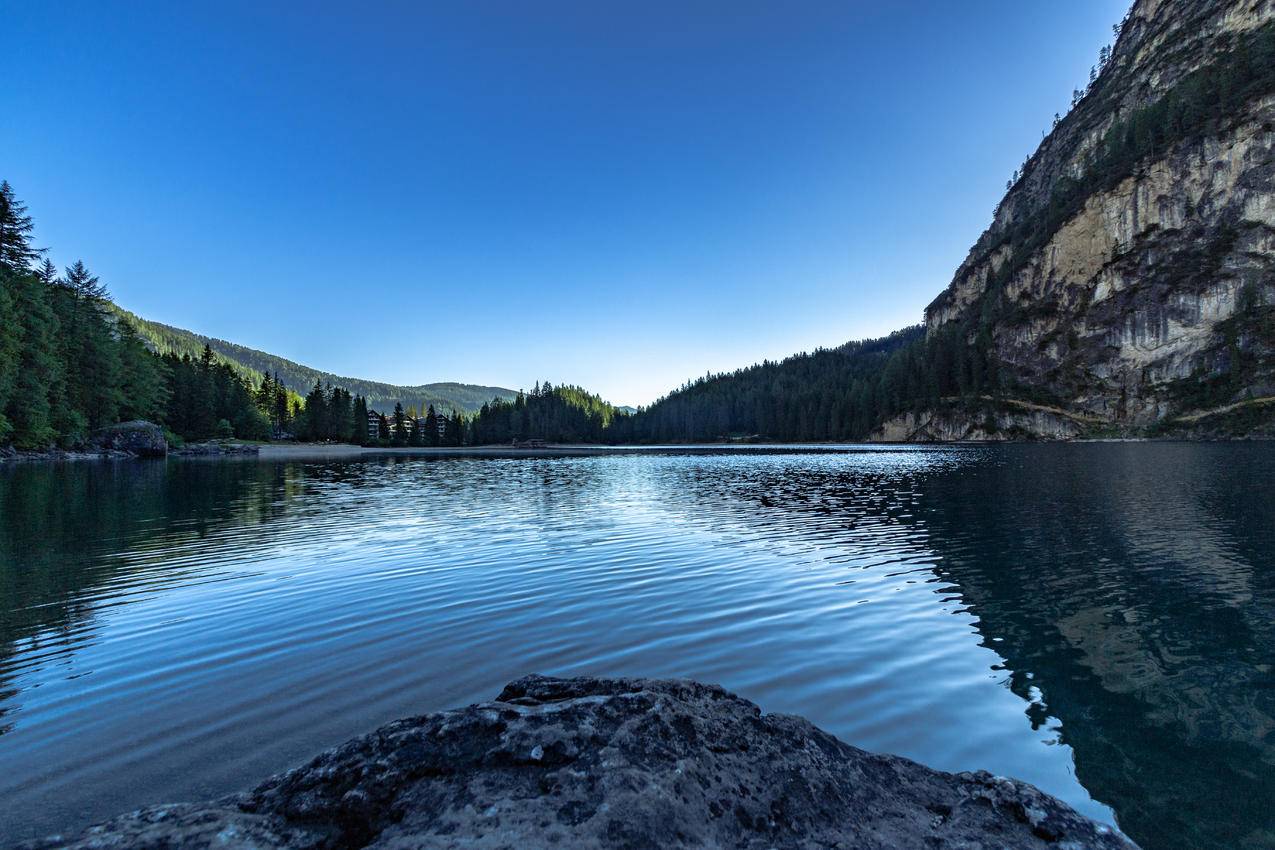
(374, 424)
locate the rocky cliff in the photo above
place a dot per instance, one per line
(1128, 277)
(629, 763)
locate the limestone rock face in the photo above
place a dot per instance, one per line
(140, 438)
(1133, 292)
(602, 763)
(959, 424)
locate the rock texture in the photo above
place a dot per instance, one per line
(1134, 292)
(630, 763)
(138, 438)
(958, 423)
(215, 448)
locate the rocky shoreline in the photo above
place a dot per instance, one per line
(130, 440)
(609, 763)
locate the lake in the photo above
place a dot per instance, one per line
(1097, 619)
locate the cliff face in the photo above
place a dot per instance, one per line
(1136, 292)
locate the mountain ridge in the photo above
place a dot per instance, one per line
(254, 363)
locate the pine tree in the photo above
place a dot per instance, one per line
(48, 273)
(282, 408)
(431, 427)
(93, 366)
(264, 397)
(459, 419)
(453, 430)
(360, 436)
(37, 385)
(10, 346)
(16, 253)
(85, 284)
(399, 437)
(314, 421)
(143, 382)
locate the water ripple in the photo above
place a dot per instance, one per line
(1072, 615)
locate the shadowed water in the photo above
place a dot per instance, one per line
(1096, 619)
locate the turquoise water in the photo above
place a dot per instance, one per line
(1096, 619)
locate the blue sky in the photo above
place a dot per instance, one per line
(619, 195)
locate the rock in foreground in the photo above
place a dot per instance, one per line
(631, 763)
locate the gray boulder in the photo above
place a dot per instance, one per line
(140, 438)
(611, 763)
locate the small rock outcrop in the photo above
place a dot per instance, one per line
(139, 438)
(602, 763)
(214, 448)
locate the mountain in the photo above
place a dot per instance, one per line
(164, 339)
(1125, 287)
(1127, 282)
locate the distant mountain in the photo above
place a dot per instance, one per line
(165, 339)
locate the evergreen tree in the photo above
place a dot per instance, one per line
(37, 386)
(48, 273)
(16, 253)
(94, 370)
(344, 423)
(86, 284)
(264, 398)
(360, 435)
(460, 427)
(314, 420)
(452, 430)
(143, 380)
(431, 427)
(10, 348)
(282, 417)
(399, 437)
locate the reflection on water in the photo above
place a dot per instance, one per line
(1096, 619)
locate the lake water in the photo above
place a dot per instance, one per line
(1096, 619)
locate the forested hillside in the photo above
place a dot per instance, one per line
(69, 367)
(830, 394)
(253, 364)
(839, 394)
(564, 414)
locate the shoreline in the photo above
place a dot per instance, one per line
(345, 451)
(303, 451)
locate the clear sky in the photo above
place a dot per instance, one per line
(620, 195)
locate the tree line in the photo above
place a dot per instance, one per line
(839, 394)
(65, 369)
(561, 414)
(70, 364)
(331, 413)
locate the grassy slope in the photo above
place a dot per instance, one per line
(252, 363)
